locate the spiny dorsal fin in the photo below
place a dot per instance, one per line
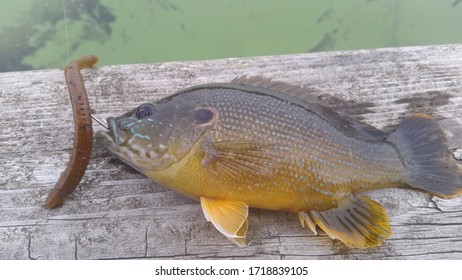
(289, 89)
(350, 126)
(303, 97)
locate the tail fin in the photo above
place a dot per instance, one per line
(423, 148)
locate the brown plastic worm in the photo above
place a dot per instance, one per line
(83, 135)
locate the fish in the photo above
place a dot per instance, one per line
(256, 143)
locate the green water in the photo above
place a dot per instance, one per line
(32, 32)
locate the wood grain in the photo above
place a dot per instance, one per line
(116, 213)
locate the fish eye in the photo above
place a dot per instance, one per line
(145, 110)
(203, 115)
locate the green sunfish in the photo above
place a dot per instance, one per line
(256, 143)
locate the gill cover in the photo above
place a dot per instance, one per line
(154, 136)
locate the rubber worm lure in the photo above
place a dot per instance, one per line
(83, 135)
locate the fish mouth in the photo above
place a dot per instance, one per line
(121, 152)
(119, 137)
(119, 143)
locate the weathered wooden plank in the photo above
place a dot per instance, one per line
(118, 213)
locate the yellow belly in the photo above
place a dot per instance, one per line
(277, 192)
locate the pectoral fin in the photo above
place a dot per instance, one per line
(238, 158)
(359, 222)
(228, 216)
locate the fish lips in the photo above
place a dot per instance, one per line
(113, 139)
(116, 141)
(107, 140)
(118, 136)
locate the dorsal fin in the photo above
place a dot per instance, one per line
(289, 89)
(302, 96)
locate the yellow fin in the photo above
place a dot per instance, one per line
(228, 216)
(238, 158)
(305, 218)
(240, 241)
(359, 222)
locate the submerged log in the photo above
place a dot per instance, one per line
(117, 213)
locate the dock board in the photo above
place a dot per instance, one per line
(117, 213)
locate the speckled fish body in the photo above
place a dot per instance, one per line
(237, 145)
(292, 157)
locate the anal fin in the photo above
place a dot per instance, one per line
(359, 222)
(305, 218)
(228, 216)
